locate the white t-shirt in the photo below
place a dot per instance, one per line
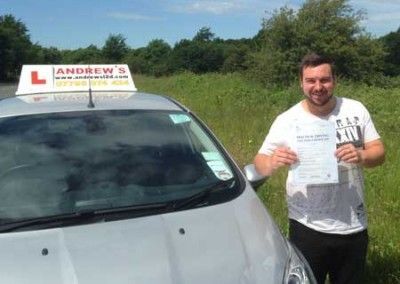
(329, 208)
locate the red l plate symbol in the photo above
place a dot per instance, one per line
(35, 79)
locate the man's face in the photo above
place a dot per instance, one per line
(318, 84)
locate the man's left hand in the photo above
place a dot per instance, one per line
(349, 154)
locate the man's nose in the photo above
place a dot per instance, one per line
(317, 85)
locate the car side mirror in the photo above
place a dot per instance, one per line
(255, 179)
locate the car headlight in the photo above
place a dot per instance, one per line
(297, 269)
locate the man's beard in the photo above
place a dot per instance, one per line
(319, 103)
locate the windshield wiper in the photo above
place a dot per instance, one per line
(75, 217)
(142, 209)
(168, 206)
(197, 198)
(82, 216)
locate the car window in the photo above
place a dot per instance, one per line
(65, 162)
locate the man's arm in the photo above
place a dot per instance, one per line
(372, 155)
(267, 164)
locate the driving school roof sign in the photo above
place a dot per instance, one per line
(38, 79)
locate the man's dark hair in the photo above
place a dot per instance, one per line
(314, 60)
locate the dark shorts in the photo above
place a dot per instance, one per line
(342, 257)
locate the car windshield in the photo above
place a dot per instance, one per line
(61, 163)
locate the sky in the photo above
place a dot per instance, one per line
(78, 23)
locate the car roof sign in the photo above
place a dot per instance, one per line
(41, 79)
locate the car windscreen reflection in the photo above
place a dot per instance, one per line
(65, 162)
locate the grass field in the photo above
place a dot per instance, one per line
(240, 113)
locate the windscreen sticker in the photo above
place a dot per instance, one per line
(217, 165)
(211, 156)
(220, 170)
(179, 118)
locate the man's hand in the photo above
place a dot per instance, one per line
(282, 156)
(372, 155)
(348, 154)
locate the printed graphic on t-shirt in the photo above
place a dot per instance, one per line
(342, 201)
(360, 211)
(348, 130)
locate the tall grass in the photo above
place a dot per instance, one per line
(240, 113)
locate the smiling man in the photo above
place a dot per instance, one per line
(327, 222)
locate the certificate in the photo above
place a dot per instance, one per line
(315, 145)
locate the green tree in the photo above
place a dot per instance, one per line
(329, 27)
(52, 55)
(115, 48)
(42, 55)
(200, 55)
(204, 34)
(136, 61)
(196, 56)
(157, 55)
(89, 55)
(276, 60)
(235, 56)
(15, 47)
(391, 42)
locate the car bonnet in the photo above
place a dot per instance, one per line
(233, 242)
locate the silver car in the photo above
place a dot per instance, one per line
(128, 187)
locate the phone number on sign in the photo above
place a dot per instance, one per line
(85, 83)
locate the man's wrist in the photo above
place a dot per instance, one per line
(361, 157)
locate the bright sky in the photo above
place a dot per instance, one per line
(79, 23)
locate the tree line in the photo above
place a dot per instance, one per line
(330, 27)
